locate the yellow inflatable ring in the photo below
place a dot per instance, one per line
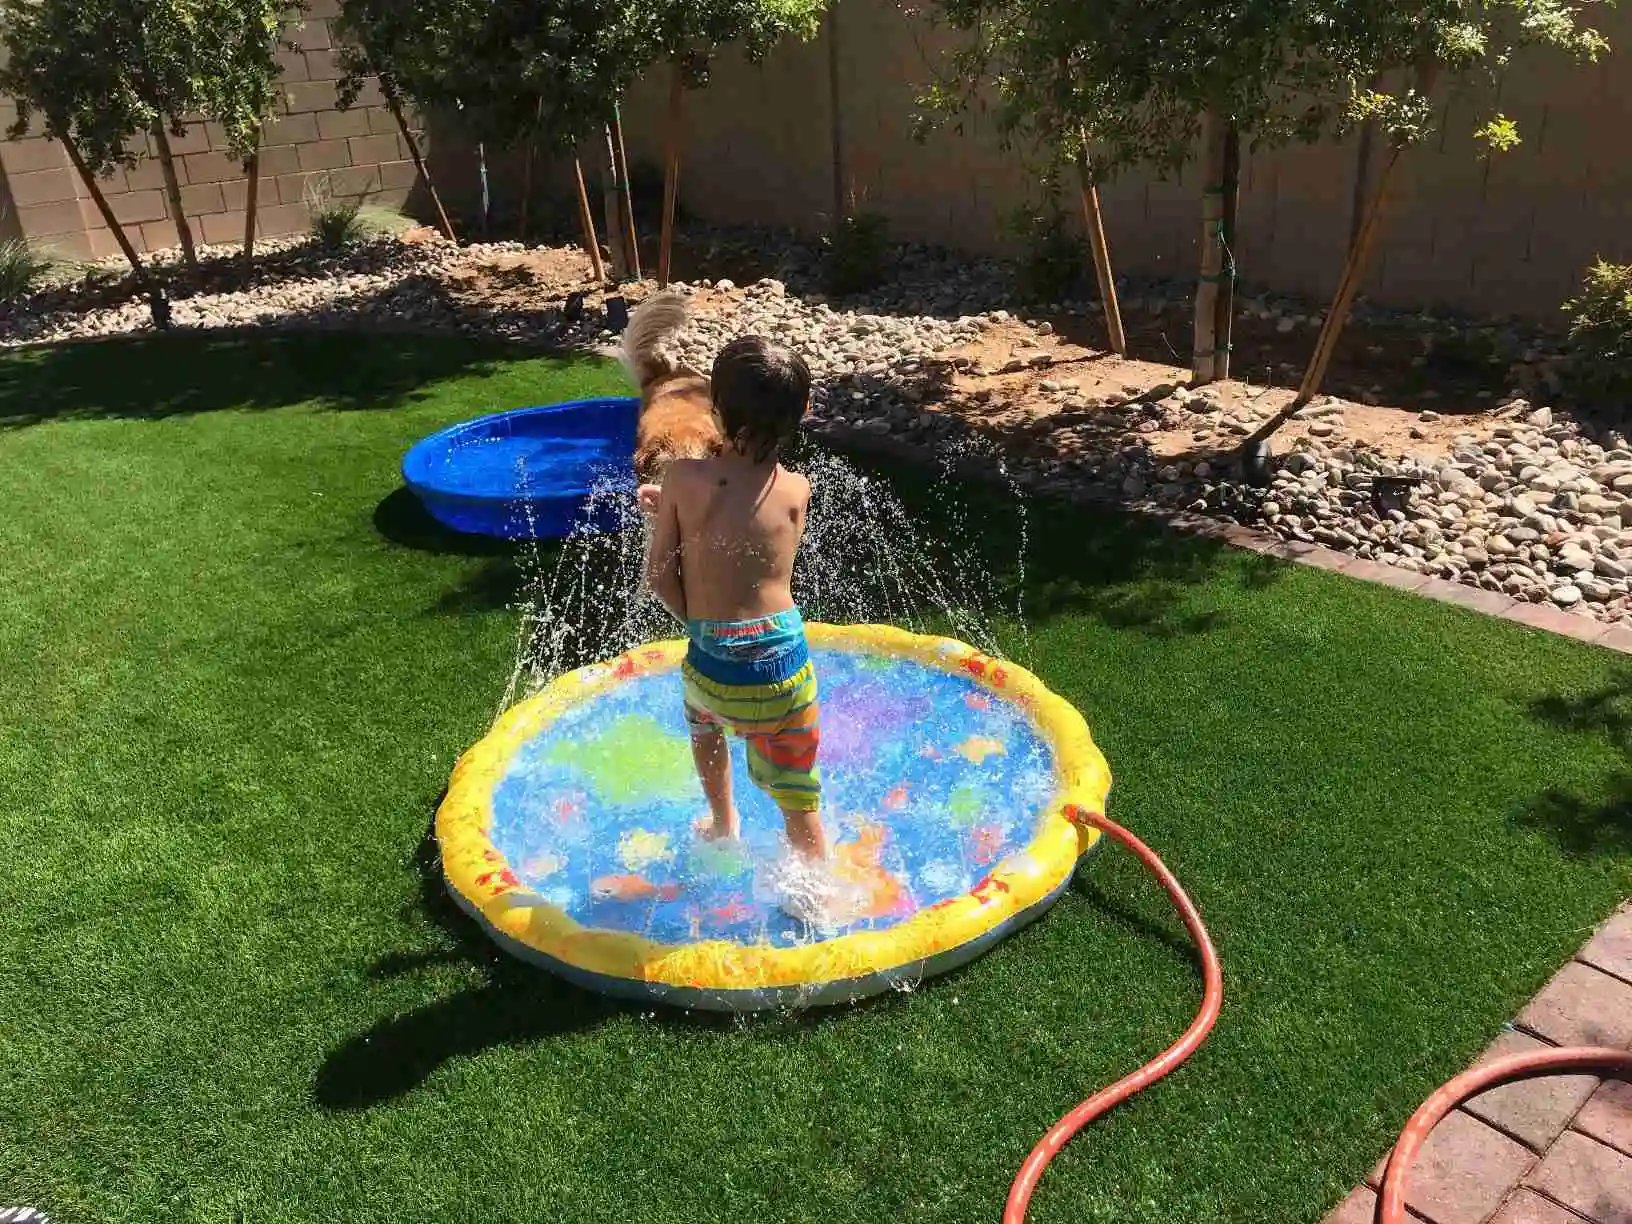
(954, 786)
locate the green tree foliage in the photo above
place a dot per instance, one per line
(98, 74)
(102, 72)
(517, 71)
(545, 72)
(1135, 79)
(1124, 83)
(245, 78)
(689, 32)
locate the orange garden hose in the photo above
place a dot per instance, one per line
(1108, 1098)
(1575, 1060)
(1605, 1062)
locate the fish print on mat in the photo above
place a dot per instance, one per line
(632, 888)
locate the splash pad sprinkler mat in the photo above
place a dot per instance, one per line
(955, 787)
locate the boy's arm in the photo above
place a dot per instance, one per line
(663, 555)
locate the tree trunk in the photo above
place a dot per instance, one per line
(841, 191)
(586, 220)
(1224, 311)
(632, 241)
(101, 202)
(527, 171)
(252, 193)
(172, 191)
(1212, 248)
(393, 101)
(1094, 222)
(671, 174)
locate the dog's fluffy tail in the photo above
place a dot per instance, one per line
(651, 323)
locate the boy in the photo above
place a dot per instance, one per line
(724, 536)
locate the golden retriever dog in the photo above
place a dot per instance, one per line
(676, 413)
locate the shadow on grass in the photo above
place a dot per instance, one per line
(1171, 936)
(517, 1004)
(152, 377)
(1064, 558)
(1599, 823)
(402, 518)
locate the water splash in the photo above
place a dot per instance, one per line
(865, 559)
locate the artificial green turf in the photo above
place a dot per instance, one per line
(237, 671)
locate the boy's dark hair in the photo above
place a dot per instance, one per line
(760, 393)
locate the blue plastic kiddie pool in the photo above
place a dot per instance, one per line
(528, 473)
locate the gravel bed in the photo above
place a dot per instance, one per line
(1533, 502)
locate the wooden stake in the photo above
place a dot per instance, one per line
(1094, 222)
(671, 174)
(1212, 248)
(633, 239)
(172, 191)
(586, 220)
(526, 187)
(1362, 171)
(395, 104)
(101, 202)
(1224, 311)
(1354, 269)
(1362, 180)
(252, 191)
(841, 193)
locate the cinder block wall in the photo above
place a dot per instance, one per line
(309, 146)
(1511, 233)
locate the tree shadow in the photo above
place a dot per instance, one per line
(376, 347)
(154, 376)
(1048, 556)
(1598, 824)
(1059, 555)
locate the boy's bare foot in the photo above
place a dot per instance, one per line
(647, 496)
(709, 828)
(813, 894)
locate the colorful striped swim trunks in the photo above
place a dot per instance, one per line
(755, 679)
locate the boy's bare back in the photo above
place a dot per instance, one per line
(737, 526)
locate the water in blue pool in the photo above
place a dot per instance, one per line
(530, 465)
(928, 782)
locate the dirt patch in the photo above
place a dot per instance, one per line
(524, 280)
(1054, 393)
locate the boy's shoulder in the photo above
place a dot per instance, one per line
(797, 482)
(686, 471)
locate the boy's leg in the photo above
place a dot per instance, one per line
(805, 833)
(713, 760)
